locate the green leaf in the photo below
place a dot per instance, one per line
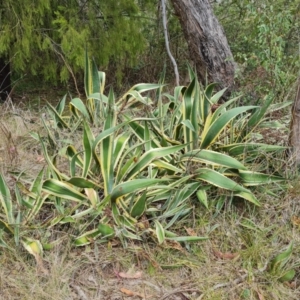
(187, 106)
(38, 203)
(288, 276)
(51, 166)
(34, 247)
(149, 156)
(248, 196)
(37, 183)
(106, 230)
(61, 105)
(139, 207)
(133, 186)
(216, 97)
(281, 259)
(248, 223)
(202, 197)
(107, 147)
(181, 212)
(51, 138)
(58, 118)
(82, 240)
(212, 158)
(260, 112)
(147, 137)
(88, 237)
(219, 124)
(120, 144)
(95, 80)
(188, 238)
(4, 226)
(189, 125)
(82, 182)
(126, 233)
(63, 190)
(255, 178)
(74, 158)
(6, 200)
(166, 166)
(88, 140)
(205, 104)
(99, 97)
(145, 87)
(76, 104)
(254, 149)
(160, 232)
(3, 244)
(219, 180)
(88, 83)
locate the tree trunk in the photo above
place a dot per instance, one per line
(5, 84)
(207, 43)
(294, 138)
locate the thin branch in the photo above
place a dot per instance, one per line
(164, 17)
(66, 64)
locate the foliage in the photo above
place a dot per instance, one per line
(54, 34)
(264, 40)
(135, 177)
(278, 265)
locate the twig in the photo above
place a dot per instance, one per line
(164, 17)
(236, 281)
(63, 59)
(240, 279)
(178, 291)
(69, 69)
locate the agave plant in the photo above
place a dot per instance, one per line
(112, 171)
(216, 138)
(127, 169)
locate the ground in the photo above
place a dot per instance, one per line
(233, 263)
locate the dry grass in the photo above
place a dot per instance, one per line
(232, 264)
(17, 149)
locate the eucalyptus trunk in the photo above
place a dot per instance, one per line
(294, 138)
(207, 43)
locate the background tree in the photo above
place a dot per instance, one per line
(48, 38)
(264, 39)
(207, 42)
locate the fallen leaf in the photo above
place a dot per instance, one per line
(127, 292)
(174, 245)
(295, 220)
(12, 149)
(145, 222)
(291, 285)
(260, 296)
(131, 293)
(190, 231)
(129, 275)
(226, 255)
(40, 159)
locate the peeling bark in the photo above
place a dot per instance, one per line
(294, 138)
(207, 43)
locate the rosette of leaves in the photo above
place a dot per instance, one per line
(218, 147)
(114, 178)
(19, 210)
